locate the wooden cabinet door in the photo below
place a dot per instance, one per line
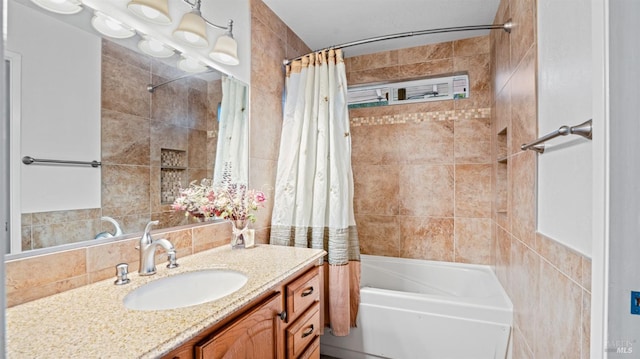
(254, 335)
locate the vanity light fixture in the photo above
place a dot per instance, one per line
(111, 27)
(191, 65)
(192, 30)
(155, 48)
(156, 11)
(226, 49)
(65, 7)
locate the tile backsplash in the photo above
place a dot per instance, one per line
(39, 276)
(47, 229)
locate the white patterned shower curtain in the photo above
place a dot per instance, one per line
(313, 202)
(232, 156)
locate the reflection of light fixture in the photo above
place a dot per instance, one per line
(226, 49)
(188, 64)
(156, 11)
(155, 48)
(111, 27)
(192, 29)
(66, 7)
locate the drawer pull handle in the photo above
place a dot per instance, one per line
(283, 315)
(308, 332)
(307, 292)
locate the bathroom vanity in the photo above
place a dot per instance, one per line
(276, 314)
(283, 323)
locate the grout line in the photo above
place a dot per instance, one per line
(545, 259)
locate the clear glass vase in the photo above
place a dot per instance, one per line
(239, 230)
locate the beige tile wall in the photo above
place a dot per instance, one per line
(31, 278)
(46, 229)
(137, 125)
(422, 172)
(549, 284)
(271, 42)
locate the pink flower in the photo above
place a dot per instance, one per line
(228, 201)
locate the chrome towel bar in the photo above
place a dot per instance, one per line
(27, 160)
(583, 129)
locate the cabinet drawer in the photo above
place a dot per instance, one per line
(312, 351)
(303, 331)
(302, 293)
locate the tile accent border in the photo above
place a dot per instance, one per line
(401, 118)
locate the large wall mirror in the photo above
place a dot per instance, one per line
(76, 96)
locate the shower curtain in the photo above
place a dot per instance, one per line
(232, 157)
(313, 202)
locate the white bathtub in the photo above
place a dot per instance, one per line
(425, 309)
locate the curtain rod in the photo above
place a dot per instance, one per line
(152, 87)
(506, 27)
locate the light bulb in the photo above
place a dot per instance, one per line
(225, 50)
(225, 59)
(155, 48)
(191, 37)
(156, 45)
(156, 11)
(112, 24)
(111, 27)
(192, 65)
(149, 12)
(66, 7)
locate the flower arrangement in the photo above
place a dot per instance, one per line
(228, 201)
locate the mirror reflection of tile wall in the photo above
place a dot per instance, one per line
(136, 127)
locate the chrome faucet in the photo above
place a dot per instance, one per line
(147, 249)
(118, 230)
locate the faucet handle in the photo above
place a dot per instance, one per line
(173, 261)
(146, 239)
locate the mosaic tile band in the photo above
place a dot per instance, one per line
(467, 114)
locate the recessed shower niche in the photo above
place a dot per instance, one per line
(502, 176)
(173, 173)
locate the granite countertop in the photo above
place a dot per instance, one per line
(92, 322)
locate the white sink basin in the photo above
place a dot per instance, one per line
(184, 290)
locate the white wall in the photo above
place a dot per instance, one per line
(564, 98)
(4, 192)
(599, 35)
(60, 110)
(624, 166)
